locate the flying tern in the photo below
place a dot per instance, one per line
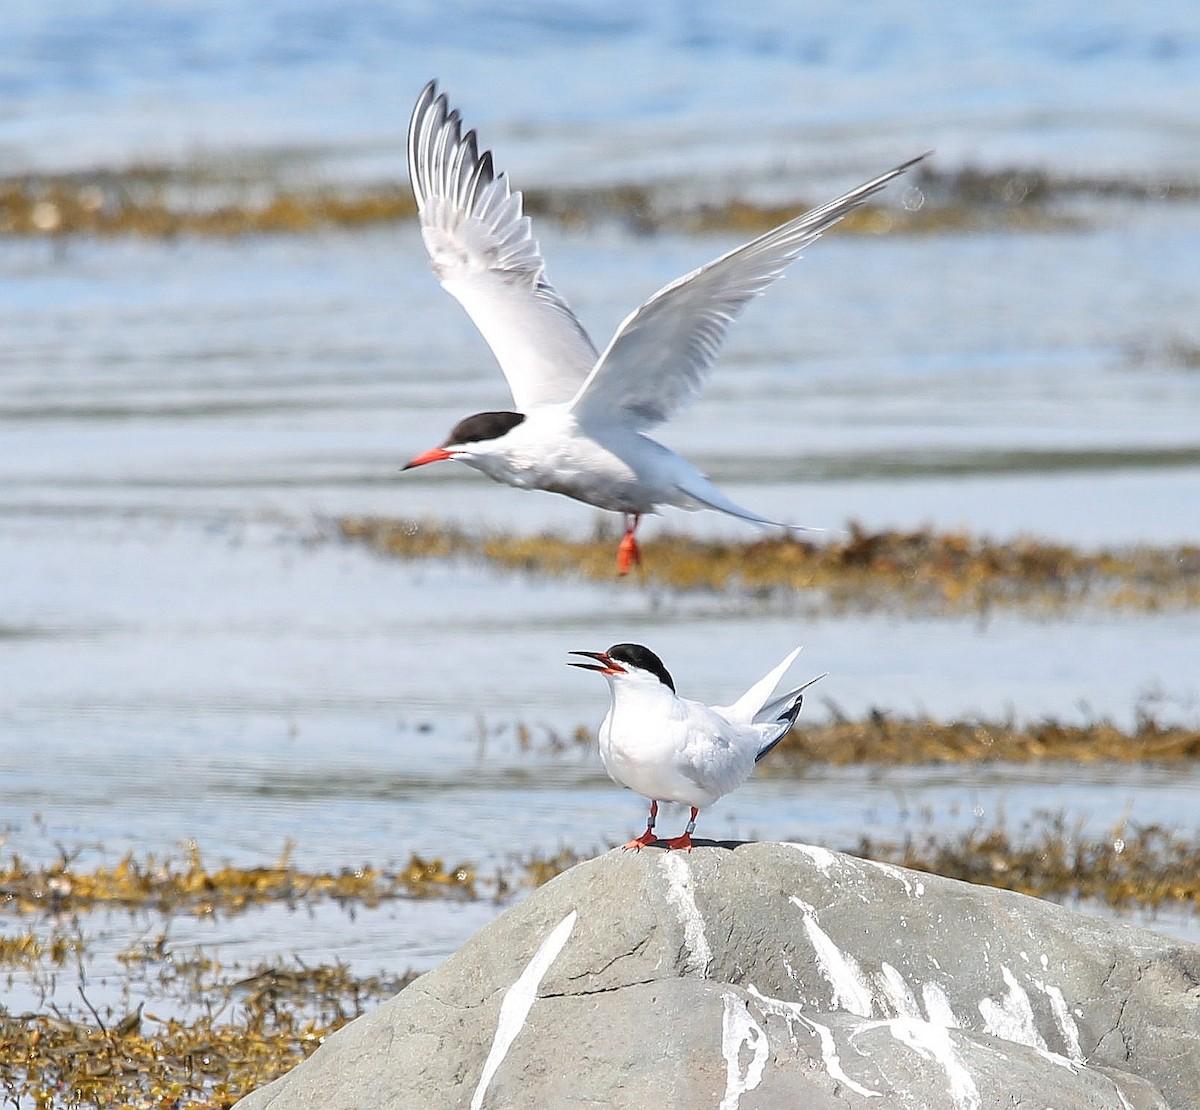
(580, 416)
(671, 749)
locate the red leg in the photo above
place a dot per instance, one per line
(648, 837)
(684, 842)
(628, 554)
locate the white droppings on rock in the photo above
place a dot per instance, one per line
(793, 1011)
(937, 1006)
(1059, 1059)
(933, 1042)
(1012, 1016)
(851, 988)
(897, 873)
(1063, 1019)
(898, 992)
(738, 1028)
(518, 1001)
(823, 859)
(680, 895)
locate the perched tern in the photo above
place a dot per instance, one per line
(580, 415)
(671, 749)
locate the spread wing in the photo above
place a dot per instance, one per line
(660, 356)
(484, 254)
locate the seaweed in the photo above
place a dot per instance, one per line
(1134, 866)
(260, 197)
(920, 571)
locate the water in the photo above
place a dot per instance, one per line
(619, 89)
(184, 656)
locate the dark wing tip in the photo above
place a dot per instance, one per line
(913, 161)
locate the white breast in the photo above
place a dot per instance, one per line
(547, 451)
(693, 757)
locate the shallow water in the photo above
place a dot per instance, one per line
(186, 656)
(709, 89)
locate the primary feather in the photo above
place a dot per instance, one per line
(661, 355)
(483, 251)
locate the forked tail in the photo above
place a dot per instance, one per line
(792, 702)
(699, 489)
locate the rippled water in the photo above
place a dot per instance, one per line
(184, 655)
(615, 88)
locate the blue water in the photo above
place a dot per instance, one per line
(185, 655)
(618, 90)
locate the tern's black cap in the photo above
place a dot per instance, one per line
(483, 426)
(642, 658)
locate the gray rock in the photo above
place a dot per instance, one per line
(764, 976)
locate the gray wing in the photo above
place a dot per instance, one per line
(660, 356)
(483, 252)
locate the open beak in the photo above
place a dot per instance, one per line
(603, 663)
(434, 454)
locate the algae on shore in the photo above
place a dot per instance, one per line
(918, 571)
(189, 886)
(882, 739)
(248, 197)
(252, 1029)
